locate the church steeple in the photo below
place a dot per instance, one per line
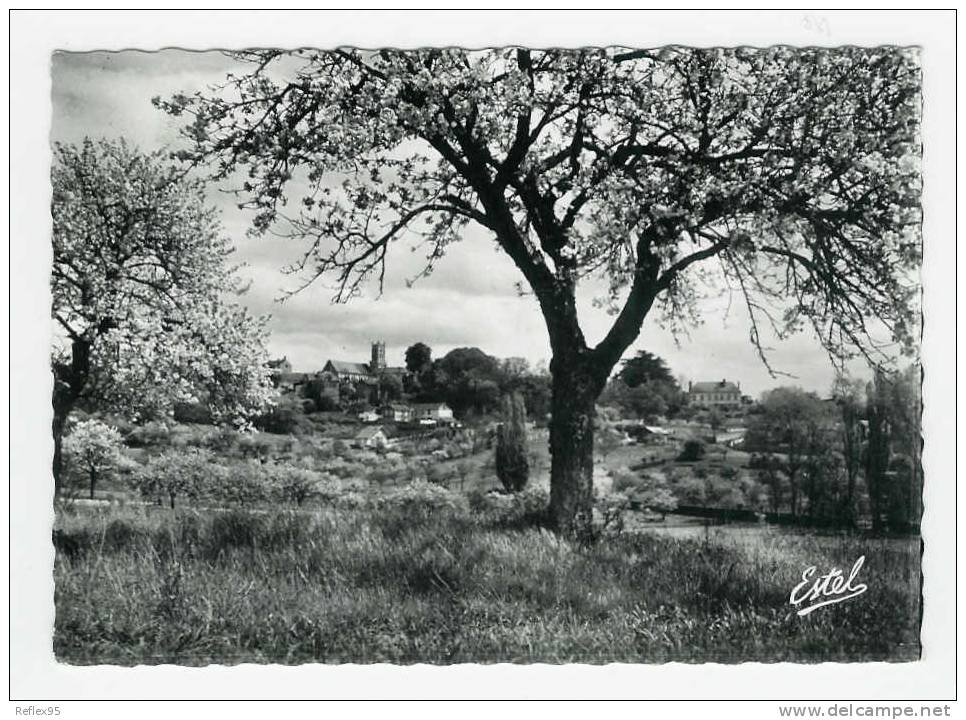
(378, 361)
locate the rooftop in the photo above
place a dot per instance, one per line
(714, 387)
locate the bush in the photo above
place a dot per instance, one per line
(196, 413)
(152, 434)
(692, 452)
(243, 482)
(421, 501)
(295, 484)
(283, 419)
(523, 509)
(178, 473)
(624, 479)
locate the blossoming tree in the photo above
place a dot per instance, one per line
(791, 173)
(140, 283)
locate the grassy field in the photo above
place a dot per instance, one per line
(409, 579)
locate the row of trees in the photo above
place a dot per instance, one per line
(858, 454)
(474, 383)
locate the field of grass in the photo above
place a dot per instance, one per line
(409, 579)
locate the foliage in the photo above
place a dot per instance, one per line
(797, 426)
(139, 273)
(237, 482)
(645, 367)
(419, 358)
(92, 449)
(173, 474)
(296, 484)
(892, 472)
(421, 502)
(648, 399)
(283, 418)
(692, 451)
(512, 463)
(655, 493)
(390, 387)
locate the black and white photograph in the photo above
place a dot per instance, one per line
(506, 353)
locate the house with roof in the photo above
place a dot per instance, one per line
(432, 413)
(397, 412)
(716, 394)
(371, 438)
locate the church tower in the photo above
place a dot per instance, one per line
(378, 361)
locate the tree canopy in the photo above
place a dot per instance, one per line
(419, 357)
(796, 168)
(141, 287)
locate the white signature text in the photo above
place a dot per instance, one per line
(828, 589)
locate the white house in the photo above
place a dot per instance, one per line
(714, 394)
(371, 437)
(432, 413)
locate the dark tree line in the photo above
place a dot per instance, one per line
(855, 456)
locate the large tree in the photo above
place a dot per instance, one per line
(140, 283)
(791, 172)
(419, 357)
(643, 368)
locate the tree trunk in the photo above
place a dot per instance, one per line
(572, 449)
(93, 478)
(69, 383)
(60, 420)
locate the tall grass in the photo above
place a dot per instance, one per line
(382, 583)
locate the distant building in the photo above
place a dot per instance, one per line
(732, 438)
(432, 413)
(655, 434)
(368, 416)
(397, 412)
(282, 365)
(364, 372)
(292, 381)
(721, 394)
(371, 438)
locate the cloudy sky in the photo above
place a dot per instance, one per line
(471, 298)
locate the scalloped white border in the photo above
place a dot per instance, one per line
(35, 674)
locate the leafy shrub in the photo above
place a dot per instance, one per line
(422, 501)
(178, 473)
(624, 479)
(192, 413)
(692, 452)
(222, 440)
(121, 534)
(523, 509)
(243, 482)
(295, 484)
(283, 419)
(151, 434)
(256, 446)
